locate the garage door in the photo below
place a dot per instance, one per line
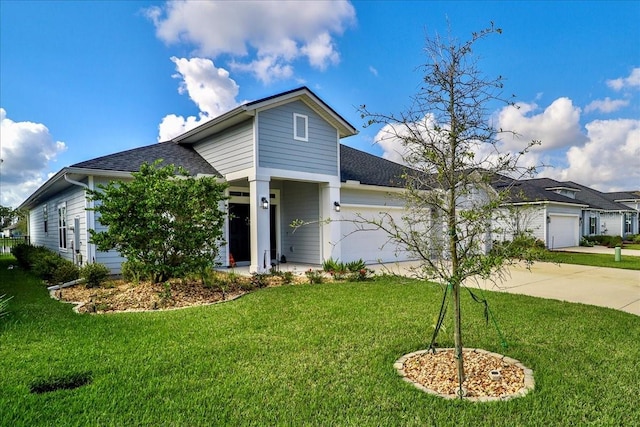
(563, 231)
(370, 244)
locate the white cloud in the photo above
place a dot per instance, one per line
(606, 105)
(277, 33)
(609, 160)
(556, 127)
(373, 70)
(27, 150)
(631, 82)
(209, 87)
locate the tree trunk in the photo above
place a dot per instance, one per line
(457, 335)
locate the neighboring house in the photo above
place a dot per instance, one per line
(549, 214)
(567, 211)
(630, 199)
(283, 161)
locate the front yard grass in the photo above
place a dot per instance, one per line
(627, 262)
(305, 355)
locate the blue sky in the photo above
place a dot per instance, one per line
(80, 80)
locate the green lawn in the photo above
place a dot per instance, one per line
(306, 355)
(597, 260)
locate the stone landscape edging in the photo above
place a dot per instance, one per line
(53, 293)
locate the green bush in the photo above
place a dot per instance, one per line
(522, 247)
(44, 263)
(614, 241)
(65, 271)
(21, 252)
(315, 277)
(94, 274)
(635, 238)
(356, 266)
(132, 272)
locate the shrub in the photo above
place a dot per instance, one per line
(21, 252)
(132, 272)
(45, 264)
(287, 278)
(314, 276)
(259, 280)
(614, 241)
(522, 247)
(635, 238)
(65, 271)
(586, 242)
(361, 275)
(94, 274)
(356, 266)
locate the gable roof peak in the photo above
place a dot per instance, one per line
(248, 110)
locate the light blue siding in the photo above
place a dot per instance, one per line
(349, 196)
(74, 198)
(279, 150)
(230, 151)
(300, 202)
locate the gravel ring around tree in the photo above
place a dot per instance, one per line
(489, 376)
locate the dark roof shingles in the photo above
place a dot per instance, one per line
(169, 152)
(356, 165)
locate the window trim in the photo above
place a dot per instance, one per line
(63, 243)
(304, 138)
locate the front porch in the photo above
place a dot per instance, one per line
(258, 229)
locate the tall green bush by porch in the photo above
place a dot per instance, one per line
(164, 221)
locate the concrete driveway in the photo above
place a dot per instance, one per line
(606, 287)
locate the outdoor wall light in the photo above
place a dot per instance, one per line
(336, 206)
(265, 203)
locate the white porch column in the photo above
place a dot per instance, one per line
(330, 226)
(260, 225)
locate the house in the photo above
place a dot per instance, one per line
(548, 214)
(630, 199)
(283, 161)
(561, 213)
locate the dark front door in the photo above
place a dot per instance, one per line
(239, 235)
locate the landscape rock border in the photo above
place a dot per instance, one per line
(529, 382)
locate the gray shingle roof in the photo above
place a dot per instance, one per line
(593, 198)
(525, 191)
(169, 152)
(356, 165)
(622, 195)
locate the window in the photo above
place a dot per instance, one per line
(593, 229)
(62, 226)
(45, 218)
(300, 127)
(627, 224)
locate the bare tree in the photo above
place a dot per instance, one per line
(451, 148)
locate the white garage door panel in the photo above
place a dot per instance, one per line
(563, 231)
(370, 245)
